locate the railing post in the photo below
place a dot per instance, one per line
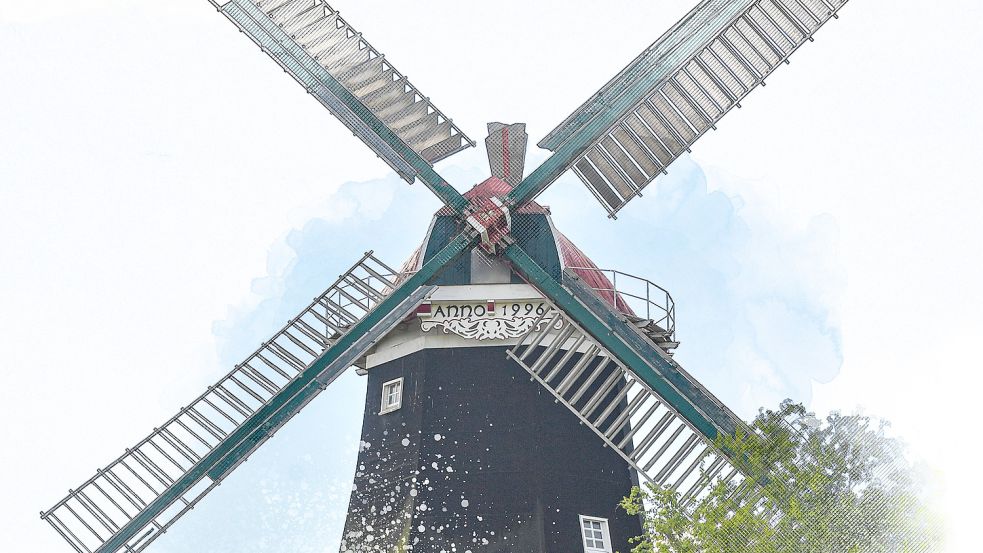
(614, 284)
(648, 303)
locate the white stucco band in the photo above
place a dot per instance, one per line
(429, 332)
(481, 292)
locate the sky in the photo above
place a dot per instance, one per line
(168, 198)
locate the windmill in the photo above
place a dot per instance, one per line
(574, 364)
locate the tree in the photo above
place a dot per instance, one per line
(839, 487)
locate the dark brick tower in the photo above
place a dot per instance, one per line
(460, 450)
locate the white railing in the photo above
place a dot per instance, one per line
(633, 295)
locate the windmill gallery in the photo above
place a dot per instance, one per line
(515, 391)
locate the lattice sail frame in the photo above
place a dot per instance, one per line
(156, 469)
(691, 77)
(338, 66)
(628, 415)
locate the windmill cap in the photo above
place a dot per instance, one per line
(532, 229)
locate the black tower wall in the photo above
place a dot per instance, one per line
(479, 458)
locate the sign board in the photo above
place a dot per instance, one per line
(484, 320)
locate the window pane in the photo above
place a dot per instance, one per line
(594, 535)
(392, 395)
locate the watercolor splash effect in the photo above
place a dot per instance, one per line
(755, 296)
(755, 301)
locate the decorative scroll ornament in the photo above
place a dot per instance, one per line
(477, 322)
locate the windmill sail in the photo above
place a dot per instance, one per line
(126, 505)
(664, 427)
(628, 133)
(351, 79)
(645, 429)
(625, 387)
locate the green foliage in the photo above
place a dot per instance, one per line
(839, 487)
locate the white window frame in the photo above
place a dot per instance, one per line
(605, 531)
(386, 407)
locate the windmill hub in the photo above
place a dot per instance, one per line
(489, 214)
(493, 222)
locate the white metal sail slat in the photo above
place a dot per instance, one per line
(754, 53)
(763, 40)
(766, 34)
(345, 55)
(367, 76)
(805, 12)
(307, 24)
(604, 194)
(699, 70)
(382, 99)
(268, 5)
(95, 511)
(713, 96)
(365, 84)
(648, 138)
(672, 118)
(778, 25)
(356, 57)
(720, 80)
(687, 110)
(328, 40)
(299, 20)
(697, 96)
(369, 70)
(610, 173)
(286, 11)
(623, 161)
(334, 42)
(419, 123)
(407, 116)
(427, 128)
(730, 68)
(308, 13)
(394, 102)
(321, 30)
(432, 137)
(636, 149)
(661, 129)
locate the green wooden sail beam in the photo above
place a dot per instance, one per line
(700, 24)
(695, 410)
(296, 61)
(669, 96)
(658, 363)
(636, 81)
(336, 359)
